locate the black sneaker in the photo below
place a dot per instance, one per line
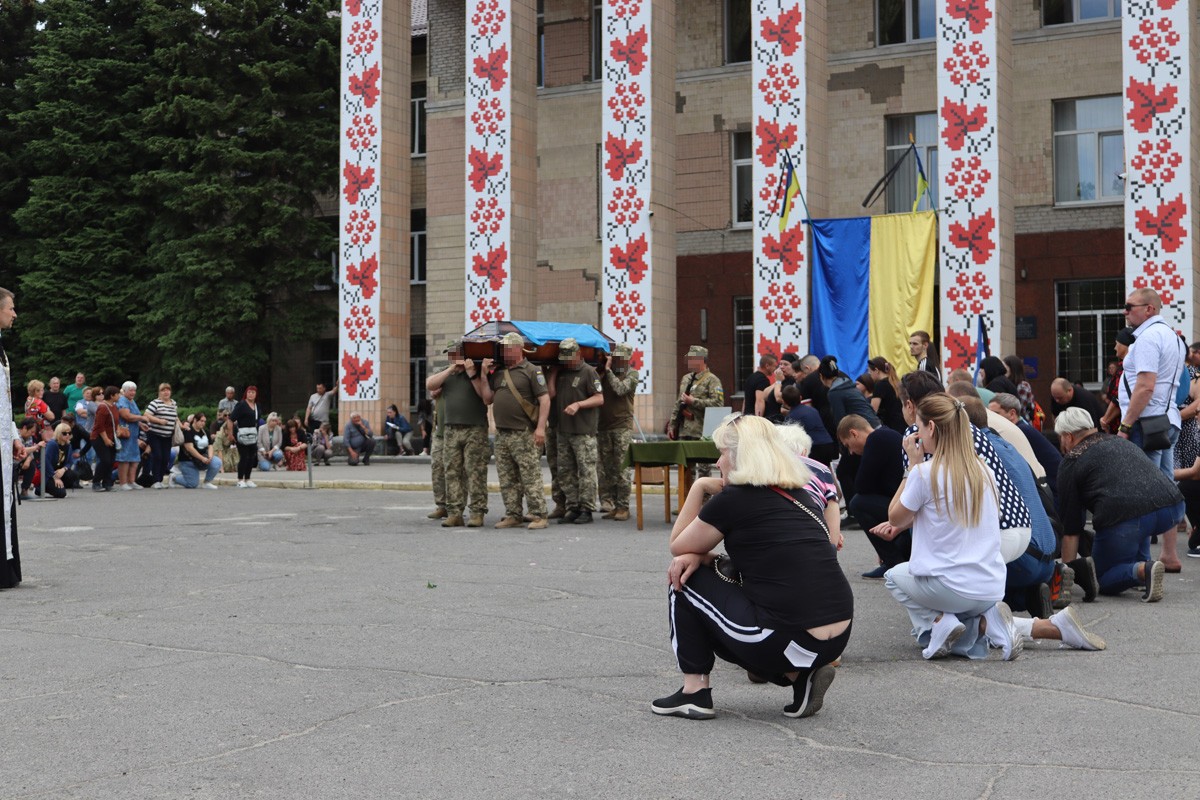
(1037, 601)
(568, 517)
(1085, 577)
(1154, 582)
(809, 692)
(583, 518)
(1193, 552)
(697, 705)
(1062, 583)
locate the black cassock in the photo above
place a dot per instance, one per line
(10, 566)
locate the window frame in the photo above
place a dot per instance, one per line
(1103, 345)
(734, 164)
(908, 25)
(924, 150)
(418, 268)
(1114, 12)
(417, 133)
(727, 41)
(1098, 135)
(596, 34)
(325, 369)
(740, 370)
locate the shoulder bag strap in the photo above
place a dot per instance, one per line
(803, 508)
(529, 408)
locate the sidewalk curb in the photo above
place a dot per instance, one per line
(395, 486)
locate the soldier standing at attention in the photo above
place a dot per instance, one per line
(577, 394)
(520, 405)
(465, 436)
(437, 453)
(699, 389)
(616, 429)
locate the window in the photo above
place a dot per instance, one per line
(1088, 318)
(418, 370)
(417, 133)
(737, 31)
(900, 21)
(1061, 12)
(743, 179)
(541, 34)
(923, 128)
(597, 40)
(743, 338)
(325, 358)
(1089, 152)
(417, 251)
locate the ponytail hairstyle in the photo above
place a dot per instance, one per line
(956, 474)
(881, 364)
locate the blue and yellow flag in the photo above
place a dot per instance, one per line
(922, 181)
(791, 183)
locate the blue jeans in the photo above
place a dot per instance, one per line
(274, 457)
(926, 598)
(1024, 572)
(1119, 549)
(189, 477)
(1163, 459)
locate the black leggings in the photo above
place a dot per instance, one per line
(247, 458)
(711, 617)
(105, 454)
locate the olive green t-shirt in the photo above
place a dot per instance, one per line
(463, 404)
(574, 385)
(529, 382)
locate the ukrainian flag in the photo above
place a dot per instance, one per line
(872, 285)
(792, 182)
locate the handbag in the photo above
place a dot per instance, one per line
(177, 437)
(247, 436)
(1155, 429)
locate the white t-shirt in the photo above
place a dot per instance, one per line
(1159, 350)
(318, 406)
(967, 560)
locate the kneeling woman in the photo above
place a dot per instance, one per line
(956, 574)
(790, 615)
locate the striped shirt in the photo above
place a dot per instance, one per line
(168, 412)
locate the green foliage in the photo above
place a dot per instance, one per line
(170, 154)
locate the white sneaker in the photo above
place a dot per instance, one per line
(943, 636)
(158, 485)
(137, 486)
(1073, 632)
(209, 485)
(251, 485)
(1002, 633)
(241, 484)
(168, 481)
(126, 487)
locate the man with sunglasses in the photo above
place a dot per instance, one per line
(1152, 371)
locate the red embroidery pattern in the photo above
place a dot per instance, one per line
(358, 300)
(778, 103)
(625, 184)
(488, 129)
(968, 190)
(1159, 185)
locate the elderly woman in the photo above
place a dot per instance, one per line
(953, 584)
(787, 616)
(132, 421)
(1130, 500)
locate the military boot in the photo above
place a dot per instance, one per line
(437, 513)
(455, 521)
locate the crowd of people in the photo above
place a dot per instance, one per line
(975, 506)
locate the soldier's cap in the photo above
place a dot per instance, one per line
(622, 351)
(512, 338)
(451, 345)
(567, 348)
(696, 351)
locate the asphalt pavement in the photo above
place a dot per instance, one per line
(334, 643)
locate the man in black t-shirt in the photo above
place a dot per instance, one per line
(879, 475)
(1065, 394)
(758, 381)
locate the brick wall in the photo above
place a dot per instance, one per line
(711, 282)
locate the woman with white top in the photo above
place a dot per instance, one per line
(953, 583)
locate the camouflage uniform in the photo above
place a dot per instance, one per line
(577, 457)
(437, 463)
(616, 431)
(466, 468)
(556, 491)
(576, 433)
(707, 393)
(518, 462)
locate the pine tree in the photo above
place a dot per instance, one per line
(244, 128)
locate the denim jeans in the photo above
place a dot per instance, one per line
(274, 457)
(925, 598)
(190, 474)
(160, 456)
(1163, 459)
(1119, 549)
(1023, 573)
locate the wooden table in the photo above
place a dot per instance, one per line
(681, 455)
